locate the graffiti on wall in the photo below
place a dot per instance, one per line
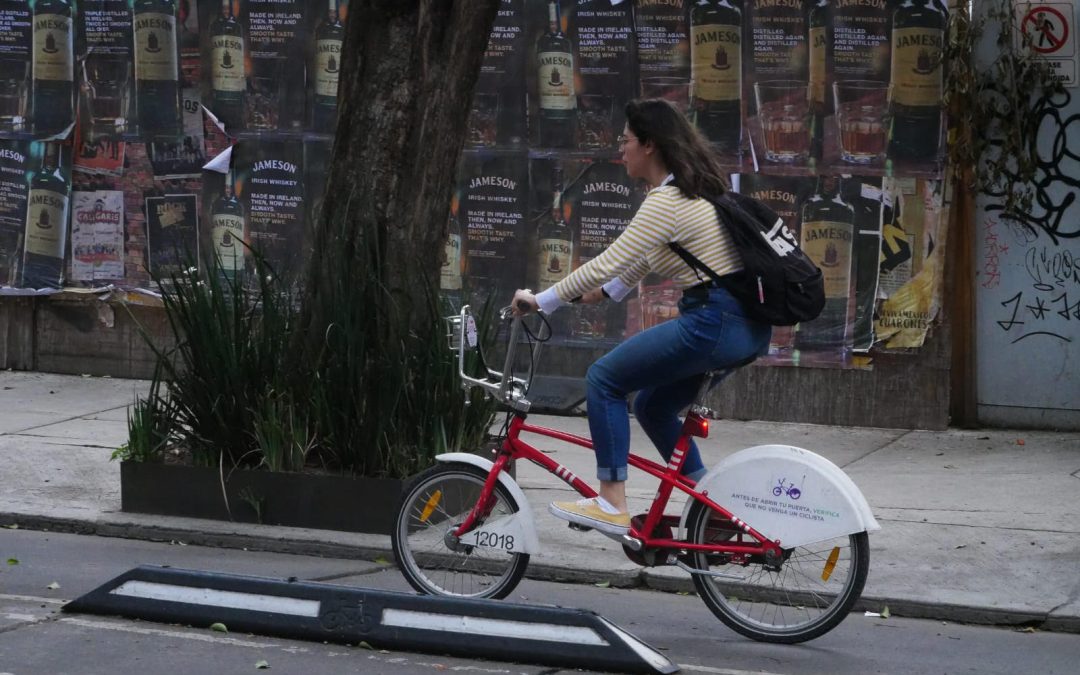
(1043, 300)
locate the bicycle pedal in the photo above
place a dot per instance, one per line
(579, 528)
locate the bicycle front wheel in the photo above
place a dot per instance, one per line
(429, 556)
(809, 595)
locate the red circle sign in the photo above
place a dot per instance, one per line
(1047, 29)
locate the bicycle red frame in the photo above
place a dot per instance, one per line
(670, 478)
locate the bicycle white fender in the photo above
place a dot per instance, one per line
(524, 521)
(788, 494)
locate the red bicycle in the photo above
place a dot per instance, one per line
(771, 568)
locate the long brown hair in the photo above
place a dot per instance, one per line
(683, 149)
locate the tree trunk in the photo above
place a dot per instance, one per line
(408, 72)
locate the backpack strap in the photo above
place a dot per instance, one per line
(692, 260)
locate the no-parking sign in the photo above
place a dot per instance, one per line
(1051, 28)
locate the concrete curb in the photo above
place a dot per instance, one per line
(619, 578)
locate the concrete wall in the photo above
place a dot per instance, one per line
(1027, 281)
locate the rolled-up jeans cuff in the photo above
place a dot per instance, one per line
(611, 474)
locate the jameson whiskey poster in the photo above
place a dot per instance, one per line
(603, 39)
(97, 235)
(662, 30)
(601, 201)
(14, 165)
(275, 88)
(270, 185)
(327, 39)
(552, 77)
(172, 227)
(47, 211)
(498, 110)
(717, 57)
(16, 38)
(777, 87)
(494, 193)
(105, 28)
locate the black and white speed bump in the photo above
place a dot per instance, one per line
(384, 619)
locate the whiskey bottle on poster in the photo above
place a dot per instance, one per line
(157, 69)
(46, 224)
(53, 65)
(716, 72)
(555, 81)
(328, 39)
(450, 274)
(818, 44)
(227, 230)
(555, 245)
(227, 68)
(916, 85)
(828, 225)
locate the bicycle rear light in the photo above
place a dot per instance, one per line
(696, 425)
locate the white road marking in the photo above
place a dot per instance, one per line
(722, 671)
(199, 637)
(31, 598)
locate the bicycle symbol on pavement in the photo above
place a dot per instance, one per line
(785, 488)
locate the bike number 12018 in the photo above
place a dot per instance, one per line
(495, 540)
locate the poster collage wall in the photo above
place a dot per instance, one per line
(830, 111)
(111, 109)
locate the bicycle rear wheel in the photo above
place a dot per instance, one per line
(432, 561)
(810, 594)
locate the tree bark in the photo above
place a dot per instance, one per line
(408, 72)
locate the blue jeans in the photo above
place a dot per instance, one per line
(666, 364)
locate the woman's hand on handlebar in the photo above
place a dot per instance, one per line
(524, 302)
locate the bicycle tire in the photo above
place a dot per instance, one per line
(422, 551)
(745, 604)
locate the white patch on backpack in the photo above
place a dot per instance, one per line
(780, 238)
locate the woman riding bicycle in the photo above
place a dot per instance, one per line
(666, 363)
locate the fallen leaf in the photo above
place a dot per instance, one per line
(13, 561)
(13, 526)
(603, 584)
(381, 561)
(364, 645)
(939, 454)
(961, 546)
(219, 628)
(885, 614)
(262, 665)
(439, 666)
(1020, 441)
(53, 586)
(1027, 629)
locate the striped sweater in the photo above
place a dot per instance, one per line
(665, 216)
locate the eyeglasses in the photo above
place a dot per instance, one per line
(623, 140)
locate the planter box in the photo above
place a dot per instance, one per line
(326, 502)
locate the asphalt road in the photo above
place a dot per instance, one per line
(39, 571)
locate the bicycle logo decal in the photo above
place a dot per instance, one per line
(784, 488)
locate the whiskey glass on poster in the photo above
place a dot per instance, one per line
(483, 120)
(674, 90)
(594, 121)
(264, 95)
(13, 95)
(783, 111)
(110, 93)
(862, 123)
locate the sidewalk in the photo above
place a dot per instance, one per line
(977, 526)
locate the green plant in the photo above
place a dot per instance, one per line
(149, 427)
(994, 103)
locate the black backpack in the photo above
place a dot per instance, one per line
(779, 284)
